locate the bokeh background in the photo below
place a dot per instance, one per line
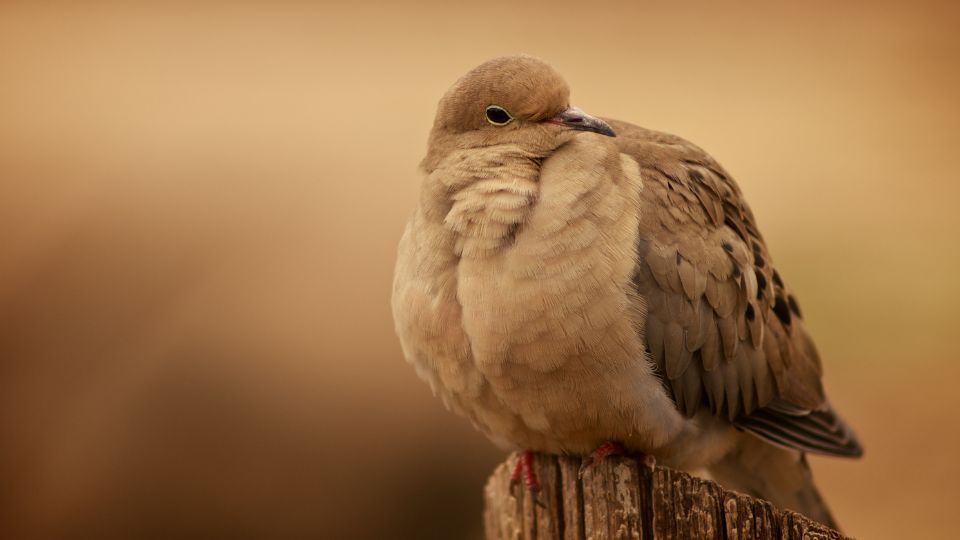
(199, 205)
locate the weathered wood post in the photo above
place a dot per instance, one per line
(622, 498)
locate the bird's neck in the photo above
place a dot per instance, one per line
(483, 196)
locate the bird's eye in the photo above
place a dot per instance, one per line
(498, 116)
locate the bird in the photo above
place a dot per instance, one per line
(584, 286)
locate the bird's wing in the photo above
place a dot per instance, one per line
(722, 325)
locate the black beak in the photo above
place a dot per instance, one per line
(574, 118)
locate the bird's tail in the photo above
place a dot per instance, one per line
(776, 474)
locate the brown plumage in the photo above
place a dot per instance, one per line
(563, 289)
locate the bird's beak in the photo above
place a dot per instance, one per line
(574, 118)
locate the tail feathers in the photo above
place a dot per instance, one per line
(820, 431)
(779, 475)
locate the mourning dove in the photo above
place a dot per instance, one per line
(573, 285)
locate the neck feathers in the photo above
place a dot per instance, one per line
(483, 196)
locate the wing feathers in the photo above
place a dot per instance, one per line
(721, 324)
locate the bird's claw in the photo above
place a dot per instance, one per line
(609, 448)
(524, 470)
(614, 449)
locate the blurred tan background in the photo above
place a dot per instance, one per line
(199, 207)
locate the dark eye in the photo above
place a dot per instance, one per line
(498, 116)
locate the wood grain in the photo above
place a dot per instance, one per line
(622, 498)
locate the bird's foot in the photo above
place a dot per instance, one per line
(523, 470)
(609, 448)
(613, 448)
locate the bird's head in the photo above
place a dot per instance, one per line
(518, 100)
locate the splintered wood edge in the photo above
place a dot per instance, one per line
(623, 498)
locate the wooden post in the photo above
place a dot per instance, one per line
(622, 498)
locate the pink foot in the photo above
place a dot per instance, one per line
(609, 448)
(524, 469)
(613, 448)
